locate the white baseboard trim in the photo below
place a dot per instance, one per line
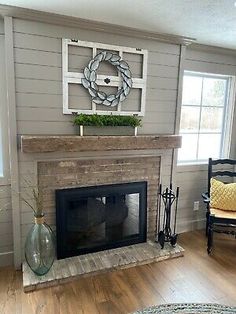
(190, 225)
(6, 259)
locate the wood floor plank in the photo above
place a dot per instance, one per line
(196, 277)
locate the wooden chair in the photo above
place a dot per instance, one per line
(221, 221)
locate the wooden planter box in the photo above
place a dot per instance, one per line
(105, 130)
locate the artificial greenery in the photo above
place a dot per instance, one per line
(109, 120)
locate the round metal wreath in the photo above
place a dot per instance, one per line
(90, 76)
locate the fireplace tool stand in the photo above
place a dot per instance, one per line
(168, 200)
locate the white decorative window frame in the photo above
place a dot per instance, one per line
(75, 77)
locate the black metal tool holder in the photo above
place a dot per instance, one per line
(168, 200)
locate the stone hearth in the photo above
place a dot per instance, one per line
(73, 268)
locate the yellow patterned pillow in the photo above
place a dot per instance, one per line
(223, 196)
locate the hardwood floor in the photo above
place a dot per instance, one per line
(196, 277)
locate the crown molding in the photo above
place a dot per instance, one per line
(52, 18)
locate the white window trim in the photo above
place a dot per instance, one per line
(230, 113)
(5, 180)
(230, 117)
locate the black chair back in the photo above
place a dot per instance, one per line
(212, 173)
(215, 173)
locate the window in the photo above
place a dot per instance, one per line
(205, 121)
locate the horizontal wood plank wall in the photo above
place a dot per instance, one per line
(1, 26)
(37, 50)
(38, 61)
(210, 62)
(6, 236)
(6, 233)
(193, 179)
(39, 85)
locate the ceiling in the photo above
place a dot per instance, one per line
(211, 22)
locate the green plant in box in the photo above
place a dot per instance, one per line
(106, 120)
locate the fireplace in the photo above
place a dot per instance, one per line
(72, 165)
(96, 218)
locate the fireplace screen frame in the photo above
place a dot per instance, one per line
(69, 194)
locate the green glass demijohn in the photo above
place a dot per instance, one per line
(40, 247)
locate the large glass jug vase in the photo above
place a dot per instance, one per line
(40, 247)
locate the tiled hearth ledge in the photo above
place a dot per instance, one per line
(61, 143)
(72, 268)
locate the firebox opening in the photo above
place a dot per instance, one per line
(95, 218)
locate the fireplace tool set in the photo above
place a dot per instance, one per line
(168, 201)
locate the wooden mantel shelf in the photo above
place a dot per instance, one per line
(73, 143)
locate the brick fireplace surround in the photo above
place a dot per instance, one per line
(72, 161)
(54, 175)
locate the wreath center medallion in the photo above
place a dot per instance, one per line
(90, 76)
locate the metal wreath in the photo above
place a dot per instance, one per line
(90, 76)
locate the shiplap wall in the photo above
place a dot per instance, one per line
(38, 78)
(37, 52)
(6, 236)
(193, 179)
(38, 61)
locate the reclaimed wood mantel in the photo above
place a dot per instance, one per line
(73, 143)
